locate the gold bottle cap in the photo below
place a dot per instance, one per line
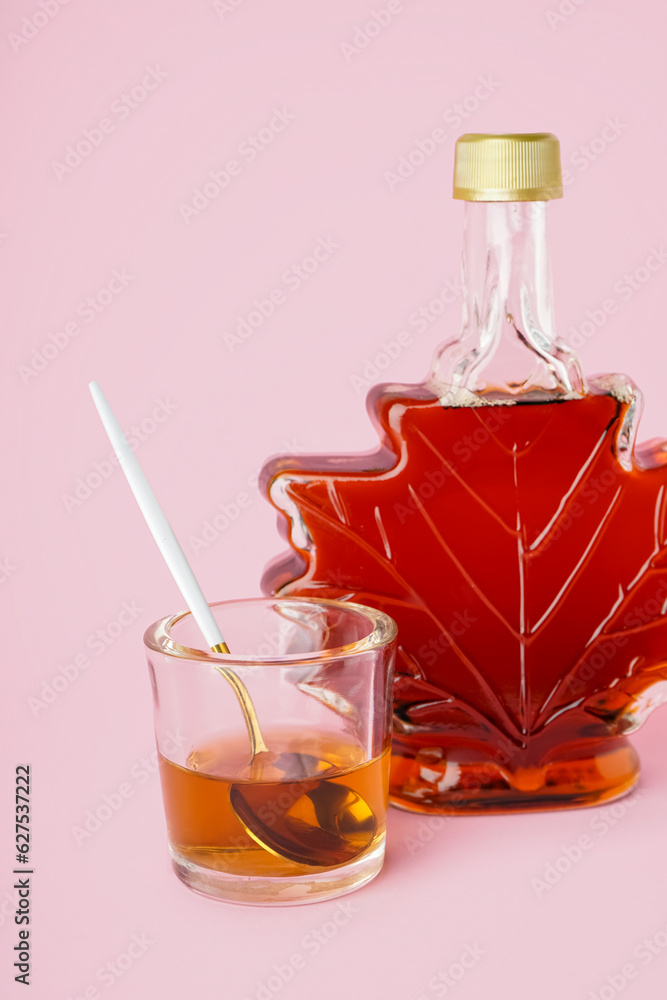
(512, 167)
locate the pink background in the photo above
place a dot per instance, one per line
(69, 566)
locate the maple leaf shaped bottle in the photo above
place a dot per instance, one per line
(509, 525)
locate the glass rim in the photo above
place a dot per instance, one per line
(383, 631)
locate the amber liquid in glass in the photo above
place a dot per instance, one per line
(205, 829)
(526, 568)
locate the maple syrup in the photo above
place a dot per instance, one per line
(206, 830)
(507, 523)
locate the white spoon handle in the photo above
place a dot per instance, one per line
(162, 532)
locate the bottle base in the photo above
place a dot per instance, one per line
(423, 784)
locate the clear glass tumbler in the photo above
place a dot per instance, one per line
(275, 790)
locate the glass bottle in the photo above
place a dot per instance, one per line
(507, 522)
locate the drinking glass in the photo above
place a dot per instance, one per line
(307, 685)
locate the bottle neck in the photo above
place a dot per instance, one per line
(508, 345)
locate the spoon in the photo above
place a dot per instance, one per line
(327, 824)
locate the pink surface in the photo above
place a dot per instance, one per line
(343, 102)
